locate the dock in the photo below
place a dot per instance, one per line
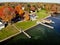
(45, 25)
(47, 21)
(22, 31)
(26, 34)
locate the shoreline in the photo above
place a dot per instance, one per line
(21, 32)
(16, 33)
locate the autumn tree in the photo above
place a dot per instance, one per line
(19, 10)
(54, 8)
(26, 16)
(32, 8)
(47, 7)
(27, 7)
(7, 13)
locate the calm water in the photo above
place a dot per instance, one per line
(56, 25)
(39, 34)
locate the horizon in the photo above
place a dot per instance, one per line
(43, 1)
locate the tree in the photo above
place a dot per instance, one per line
(8, 13)
(26, 16)
(54, 8)
(27, 7)
(32, 8)
(19, 10)
(48, 7)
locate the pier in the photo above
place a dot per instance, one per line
(22, 31)
(45, 25)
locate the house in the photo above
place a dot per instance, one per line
(1, 25)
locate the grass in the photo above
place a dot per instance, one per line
(42, 14)
(25, 25)
(8, 31)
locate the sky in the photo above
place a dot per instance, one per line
(48, 1)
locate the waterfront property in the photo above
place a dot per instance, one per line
(39, 34)
(8, 31)
(24, 26)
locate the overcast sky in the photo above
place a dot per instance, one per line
(51, 1)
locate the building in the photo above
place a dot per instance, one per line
(1, 25)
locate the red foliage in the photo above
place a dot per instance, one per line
(4, 12)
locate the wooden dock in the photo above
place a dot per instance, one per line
(22, 31)
(45, 25)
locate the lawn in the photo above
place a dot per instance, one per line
(41, 14)
(25, 25)
(9, 30)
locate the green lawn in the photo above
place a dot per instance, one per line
(25, 25)
(41, 14)
(8, 31)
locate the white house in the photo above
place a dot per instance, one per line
(1, 25)
(23, 8)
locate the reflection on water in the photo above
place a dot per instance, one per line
(40, 34)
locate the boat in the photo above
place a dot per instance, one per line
(47, 21)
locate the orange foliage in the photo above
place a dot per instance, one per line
(1, 11)
(6, 13)
(54, 8)
(26, 16)
(19, 10)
